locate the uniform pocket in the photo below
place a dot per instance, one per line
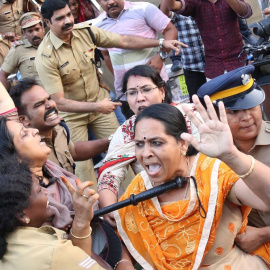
(31, 68)
(69, 73)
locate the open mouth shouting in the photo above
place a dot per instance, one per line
(51, 114)
(152, 169)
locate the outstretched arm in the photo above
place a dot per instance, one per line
(68, 105)
(89, 149)
(216, 141)
(170, 32)
(132, 42)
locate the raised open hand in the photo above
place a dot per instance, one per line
(216, 138)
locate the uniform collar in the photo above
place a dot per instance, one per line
(57, 42)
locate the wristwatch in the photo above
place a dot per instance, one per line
(160, 43)
(163, 55)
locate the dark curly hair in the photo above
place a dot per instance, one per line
(151, 73)
(15, 190)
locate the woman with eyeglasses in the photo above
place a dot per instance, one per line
(143, 87)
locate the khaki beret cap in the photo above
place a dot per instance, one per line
(29, 19)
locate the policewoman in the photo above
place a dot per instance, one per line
(242, 98)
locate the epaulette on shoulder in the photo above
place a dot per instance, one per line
(80, 25)
(47, 49)
(17, 43)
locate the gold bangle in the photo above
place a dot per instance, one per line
(123, 260)
(81, 237)
(250, 170)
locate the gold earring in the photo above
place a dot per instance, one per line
(27, 220)
(183, 152)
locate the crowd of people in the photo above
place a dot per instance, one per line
(214, 147)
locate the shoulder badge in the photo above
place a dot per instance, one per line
(267, 126)
(47, 49)
(17, 43)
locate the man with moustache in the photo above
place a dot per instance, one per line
(134, 18)
(22, 54)
(36, 109)
(65, 64)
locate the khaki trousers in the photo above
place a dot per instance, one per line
(102, 125)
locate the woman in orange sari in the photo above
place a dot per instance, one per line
(193, 227)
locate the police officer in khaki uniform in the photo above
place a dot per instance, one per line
(23, 52)
(242, 98)
(66, 68)
(10, 13)
(36, 109)
(45, 248)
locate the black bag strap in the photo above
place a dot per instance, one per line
(98, 54)
(64, 125)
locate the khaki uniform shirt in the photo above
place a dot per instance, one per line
(261, 152)
(60, 149)
(43, 249)
(10, 15)
(22, 56)
(67, 67)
